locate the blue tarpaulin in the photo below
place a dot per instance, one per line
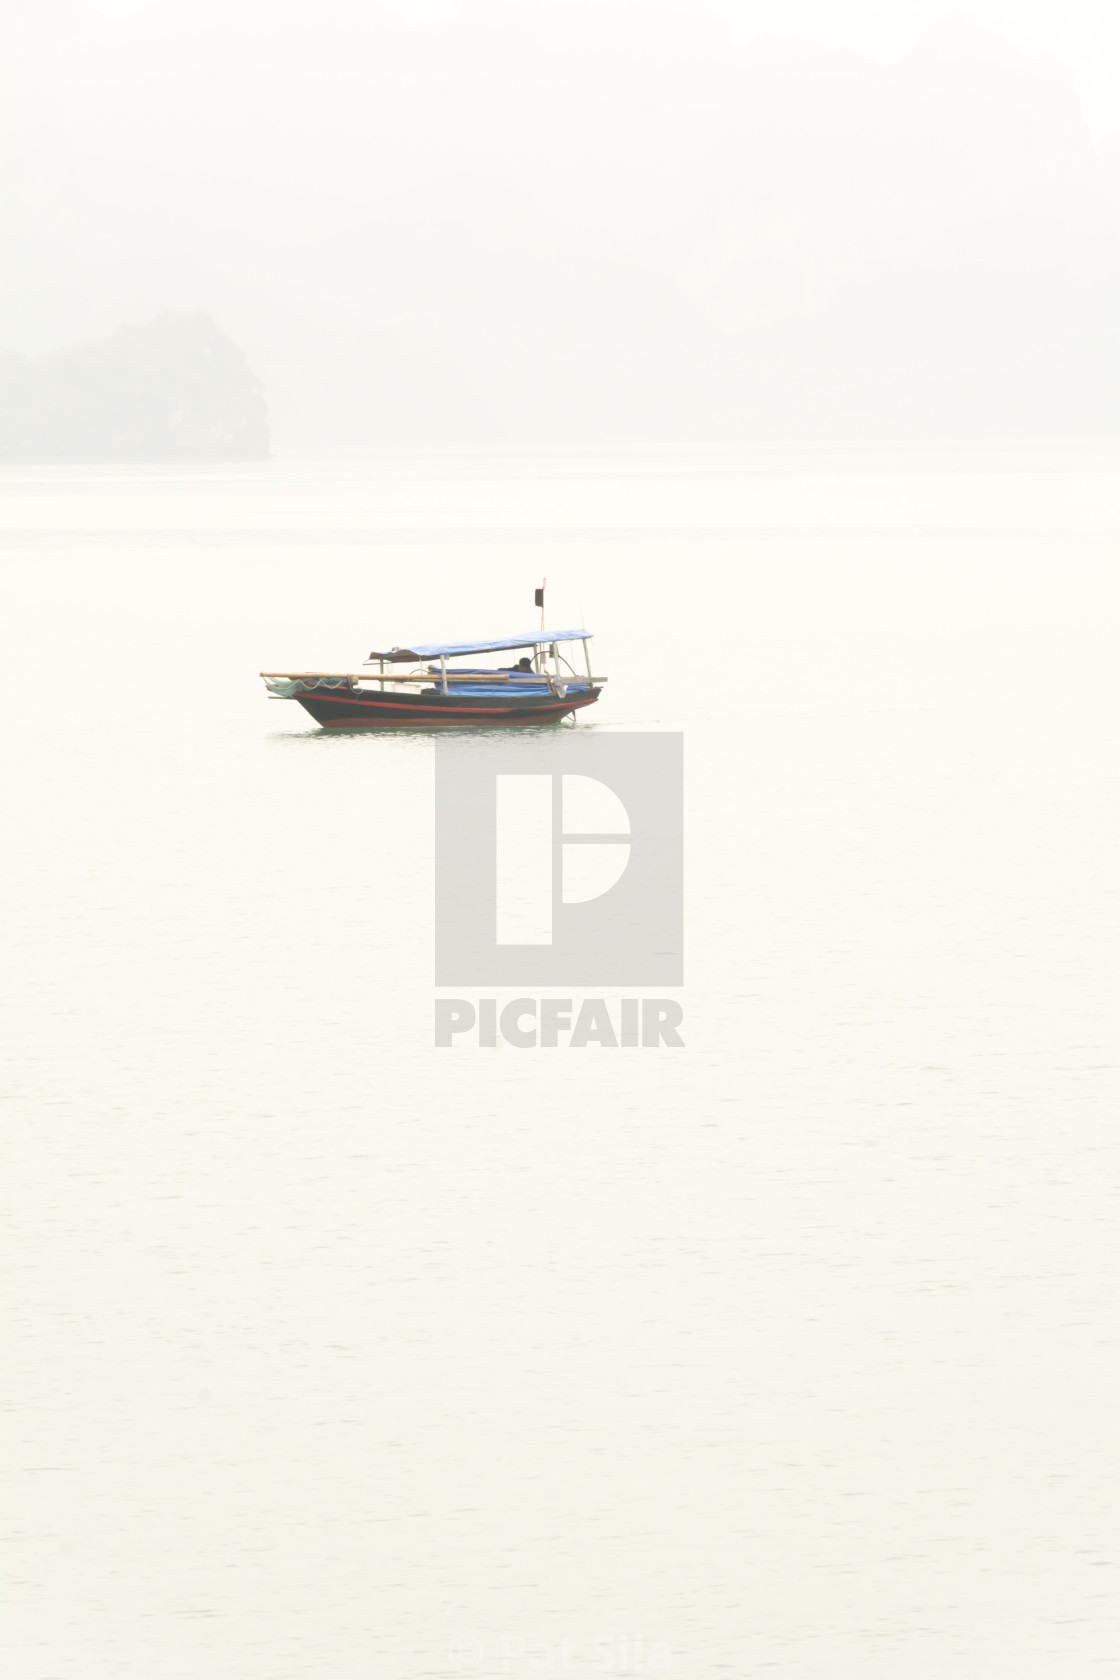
(506, 689)
(455, 650)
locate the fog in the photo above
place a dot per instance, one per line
(777, 343)
(549, 220)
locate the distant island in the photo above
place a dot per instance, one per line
(175, 390)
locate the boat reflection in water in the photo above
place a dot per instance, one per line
(541, 687)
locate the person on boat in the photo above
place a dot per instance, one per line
(523, 665)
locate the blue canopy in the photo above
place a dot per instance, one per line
(454, 650)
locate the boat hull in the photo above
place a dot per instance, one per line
(438, 711)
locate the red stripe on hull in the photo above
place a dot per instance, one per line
(439, 717)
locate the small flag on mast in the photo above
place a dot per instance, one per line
(538, 597)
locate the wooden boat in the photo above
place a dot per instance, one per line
(439, 695)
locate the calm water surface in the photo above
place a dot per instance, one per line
(793, 1352)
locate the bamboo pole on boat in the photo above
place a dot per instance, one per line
(430, 678)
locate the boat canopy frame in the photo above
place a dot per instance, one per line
(459, 650)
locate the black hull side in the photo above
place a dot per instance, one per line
(438, 711)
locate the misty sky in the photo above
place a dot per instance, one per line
(568, 219)
(1085, 34)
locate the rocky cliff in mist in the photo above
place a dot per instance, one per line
(175, 390)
